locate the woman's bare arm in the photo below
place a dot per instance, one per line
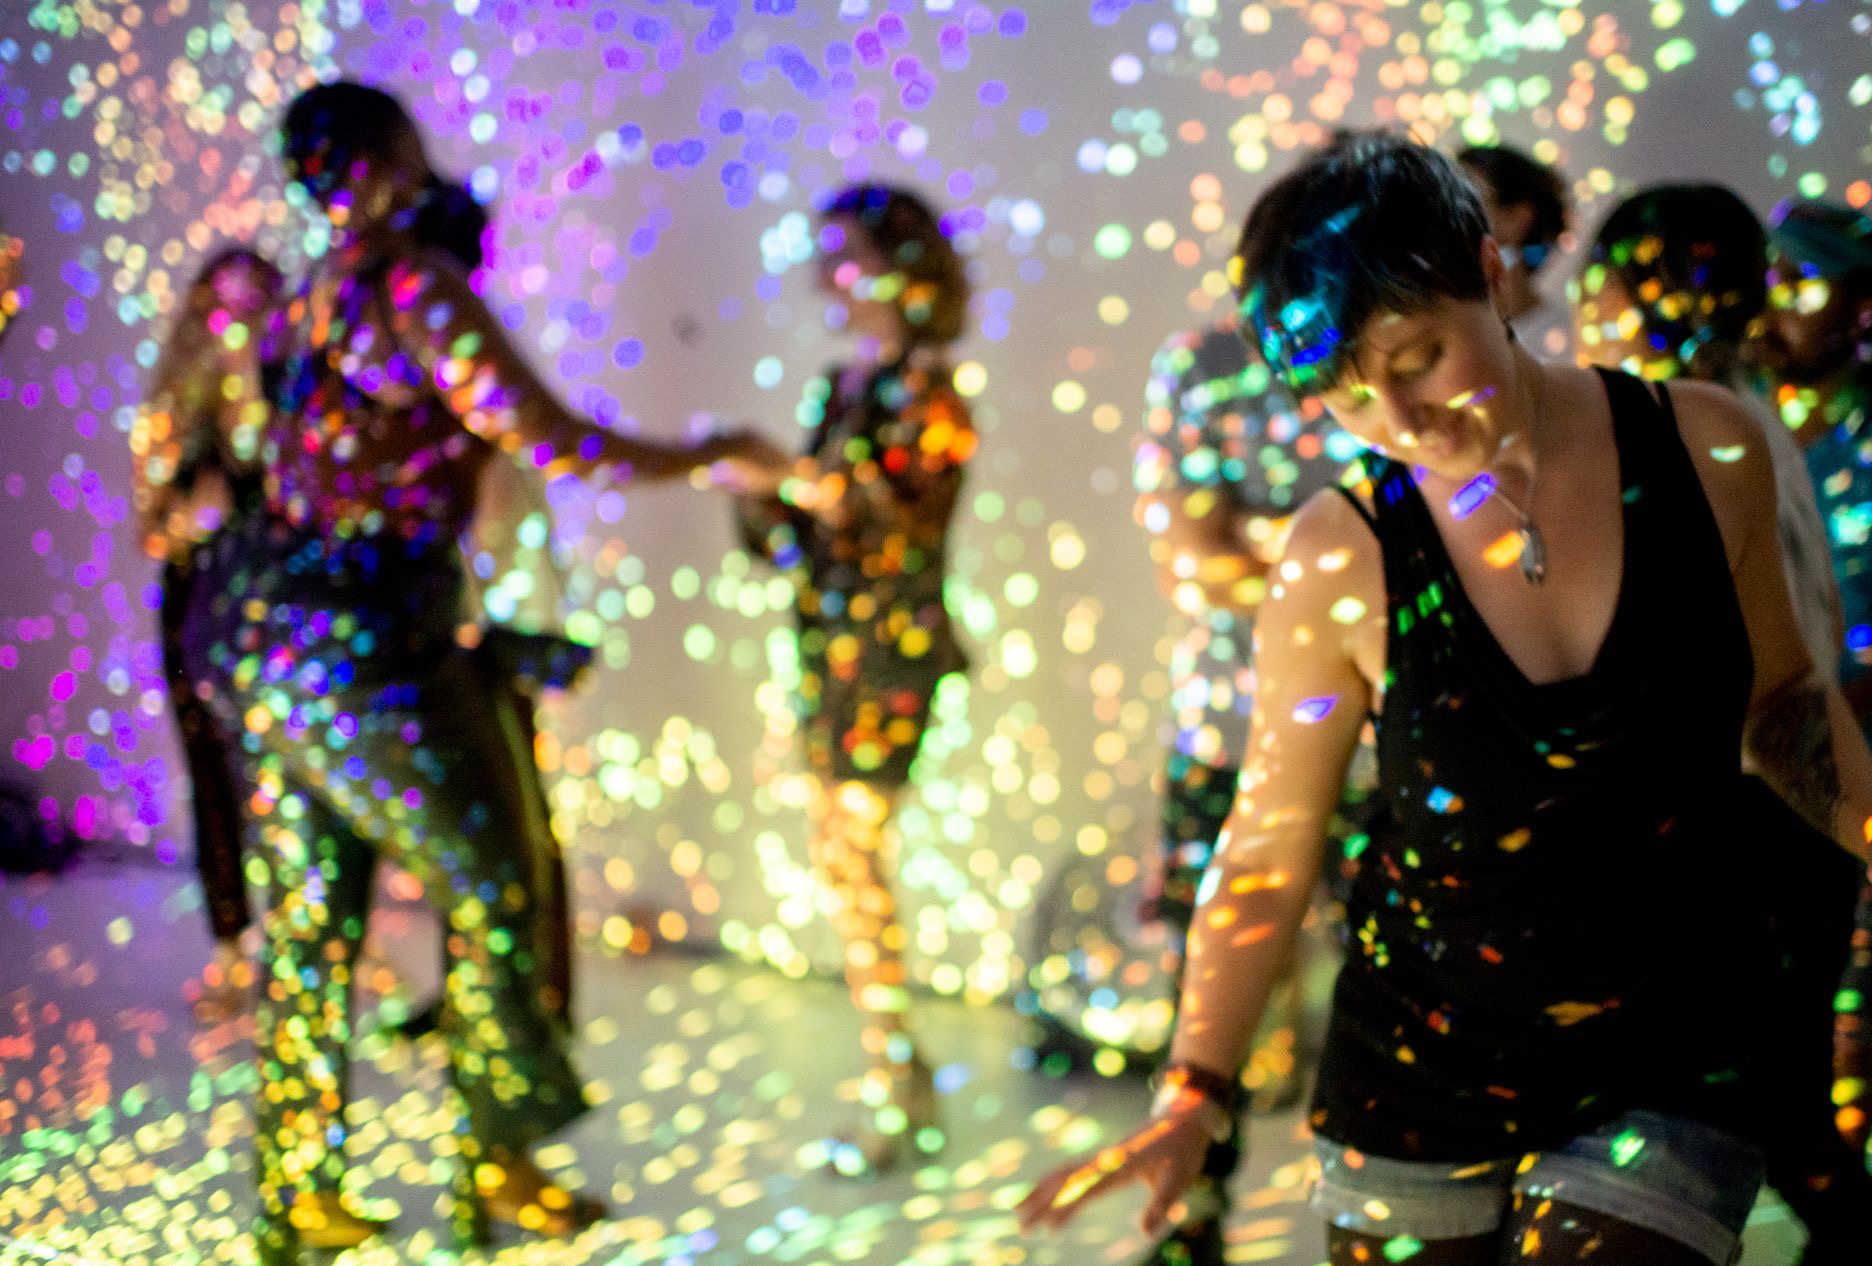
(1801, 736)
(1311, 701)
(441, 323)
(1314, 675)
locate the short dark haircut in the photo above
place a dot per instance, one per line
(1694, 260)
(329, 127)
(1373, 222)
(1827, 239)
(905, 231)
(1519, 179)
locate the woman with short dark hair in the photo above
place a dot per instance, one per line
(1559, 598)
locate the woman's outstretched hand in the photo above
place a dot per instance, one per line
(1165, 1154)
(745, 462)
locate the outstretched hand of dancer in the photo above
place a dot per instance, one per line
(736, 446)
(753, 465)
(1165, 1154)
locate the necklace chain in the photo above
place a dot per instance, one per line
(1533, 557)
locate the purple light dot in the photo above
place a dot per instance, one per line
(917, 93)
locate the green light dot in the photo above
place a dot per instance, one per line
(1625, 1148)
(1112, 242)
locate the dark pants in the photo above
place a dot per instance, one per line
(367, 733)
(1810, 885)
(213, 798)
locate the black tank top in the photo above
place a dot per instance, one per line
(1546, 921)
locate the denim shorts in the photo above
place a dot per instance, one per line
(1680, 1178)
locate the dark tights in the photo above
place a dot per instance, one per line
(1545, 1231)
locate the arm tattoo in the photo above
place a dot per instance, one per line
(1792, 742)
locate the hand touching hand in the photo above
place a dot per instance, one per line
(746, 462)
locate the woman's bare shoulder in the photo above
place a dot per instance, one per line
(1331, 553)
(1732, 459)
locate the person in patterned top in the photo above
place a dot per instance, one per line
(859, 522)
(1225, 456)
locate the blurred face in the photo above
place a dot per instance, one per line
(382, 189)
(1812, 326)
(858, 280)
(243, 288)
(1427, 387)
(1608, 327)
(1510, 225)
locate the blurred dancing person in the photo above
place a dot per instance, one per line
(328, 635)
(1673, 283)
(860, 524)
(514, 602)
(10, 250)
(1226, 457)
(194, 446)
(1526, 204)
(1555, 880)
(1816, 348)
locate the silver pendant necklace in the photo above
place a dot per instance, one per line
(1533, 549)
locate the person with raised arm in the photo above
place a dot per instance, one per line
(326, 635)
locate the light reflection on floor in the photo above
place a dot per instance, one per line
(711, 1078)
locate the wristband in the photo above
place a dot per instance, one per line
(1220, 1089)
(1217, 1122)
(1185, 1087)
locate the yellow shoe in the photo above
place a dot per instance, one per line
(320, 1220)
(519, 1195)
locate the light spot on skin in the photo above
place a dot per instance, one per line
(1311, 711)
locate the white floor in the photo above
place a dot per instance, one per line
(126, 1138)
